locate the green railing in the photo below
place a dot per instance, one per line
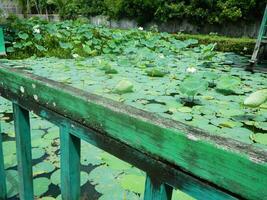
(172, 154)
(2, 42)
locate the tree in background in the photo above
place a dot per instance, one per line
(195, 11)
(25, 6)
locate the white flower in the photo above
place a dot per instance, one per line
(37, 30)
(191, 70)
(141, 28)
(68, 28)
(75, 56)
(245, 49)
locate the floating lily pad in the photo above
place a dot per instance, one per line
(119, 195)
(178, 195)
(259, 138)
(184, 109)
(10, 160)
(193, 85)
(133, 183)
(90, 155)
(228, 84)
(123, 86)
(37, 153)
(114, 163)
(12, 183)
(155, 72)
(41, 186)
(47, 198)
(103, 175)
(261, 125)
(55, 177)
(9, 147)
(43, 168)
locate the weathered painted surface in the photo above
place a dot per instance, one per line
(163, 171)
(24, 152)
(3, 191)
(229, 164)
(70, 147)
(155, 190)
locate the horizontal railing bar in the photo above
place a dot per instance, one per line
(167, 173)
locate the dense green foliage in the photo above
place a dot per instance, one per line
(198, 11)
(225, 44)
(65, 39)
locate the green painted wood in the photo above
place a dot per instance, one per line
(168, 173)
(24, 153)
(70, 148)
(229, 164)
(3, 191)
(155, 190)
(2, 42)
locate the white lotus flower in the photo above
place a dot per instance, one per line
(191, 70)
(75, 55)
(37, 30)
(141, 28)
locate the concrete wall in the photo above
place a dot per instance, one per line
(239, 29)
(49, 17)
(10, 6)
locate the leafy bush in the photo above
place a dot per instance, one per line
(68, 38)
(211, 11)
(197, 11)
(225, 44)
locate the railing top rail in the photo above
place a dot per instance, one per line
(229, 164)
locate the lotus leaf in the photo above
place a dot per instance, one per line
(155, 72)
(41, 186)
(124, 86)
(193, 85)
(133, 183)
(114, 163)
(43, 168)
(256, 99)
(12, 183)
(228, 83)
(259, 138)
